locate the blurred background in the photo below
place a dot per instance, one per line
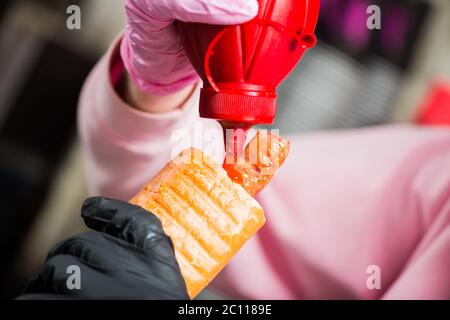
(354, 77)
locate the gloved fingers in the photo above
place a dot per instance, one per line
(129, 256)
(138, 228)
(52, 278)
(151, 48)
(89, 247)
(162, 13)
(157, 16)
(223, 12)
(112, 267)
(214, 11)
(68, 276)
(124, 221)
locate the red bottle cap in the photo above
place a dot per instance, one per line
(238, 106)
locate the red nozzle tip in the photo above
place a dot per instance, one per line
(234, 135)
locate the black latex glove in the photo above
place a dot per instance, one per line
(128, 257)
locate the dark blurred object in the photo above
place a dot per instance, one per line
(435, 109)
(343, 25)
(3, 6)
(57, 4)
(39, 85)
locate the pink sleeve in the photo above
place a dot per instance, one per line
(347, 207)
(124, 147)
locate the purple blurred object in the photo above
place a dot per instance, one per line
(396, 20)
(355, 30)
(331, 15)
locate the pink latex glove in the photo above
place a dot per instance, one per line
(151, 48)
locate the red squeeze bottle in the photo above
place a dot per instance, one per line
(241, 65)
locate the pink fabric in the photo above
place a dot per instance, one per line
(343, 201)
(158, 64)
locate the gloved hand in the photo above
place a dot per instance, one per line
(151, 49)
(128, 256)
